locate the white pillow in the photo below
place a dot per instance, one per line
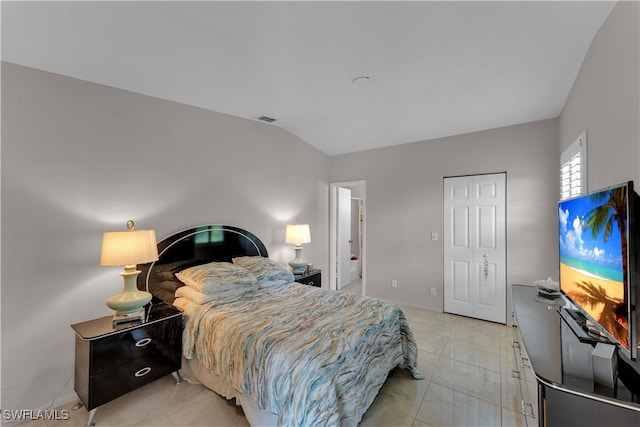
(181, 303)
(193, 295)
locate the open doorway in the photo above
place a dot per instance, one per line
(347, 225)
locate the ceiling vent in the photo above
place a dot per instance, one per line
(267, 119)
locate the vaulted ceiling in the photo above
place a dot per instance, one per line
(343, 76)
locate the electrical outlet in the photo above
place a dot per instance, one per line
(394, 283)
(433, 291)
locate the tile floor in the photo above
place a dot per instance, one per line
(467, 364)
(355, 287)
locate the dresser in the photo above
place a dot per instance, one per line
(110, 362)
(562, 369)
(311, 278)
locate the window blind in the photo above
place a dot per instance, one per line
(573, 172)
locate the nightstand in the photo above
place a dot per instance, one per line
(311, 278)
(112, 362)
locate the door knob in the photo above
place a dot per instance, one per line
(485, 268)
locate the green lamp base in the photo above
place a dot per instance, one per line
(298, 265)
(131, 300)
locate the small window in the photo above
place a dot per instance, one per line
(573, 168)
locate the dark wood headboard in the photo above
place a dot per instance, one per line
(194, 246)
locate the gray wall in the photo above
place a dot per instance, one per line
(404, 205)
(79, 159)
(605, 101)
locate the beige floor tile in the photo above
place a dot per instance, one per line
(446, 407)
(471, 380)
(381, 415)
(168, 395)
(401, 393)
(31, 423)
(132, 409)
(473, 354)
(430, 324)
(418, 423)
(207, 409)
(427, 363)
(482, 333)
(510, 396)
(430, 342)
(75, 418)
(515, 419)
(507, 360)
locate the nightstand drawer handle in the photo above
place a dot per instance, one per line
(142, 372)
(143, 342)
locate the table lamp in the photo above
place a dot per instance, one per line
(298, 234)
(129, 248)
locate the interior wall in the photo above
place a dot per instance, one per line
(79, 159)
(605, 101)
(405, 205)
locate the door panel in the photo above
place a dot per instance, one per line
(475, 237)
(485, 190)
(460, 231)
(344, 237)
(487, 291)
(486, 218)
(460, 191)
(460, 276)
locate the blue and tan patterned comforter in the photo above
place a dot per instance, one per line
(310, 355)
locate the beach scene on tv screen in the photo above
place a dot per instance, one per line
(593, 257)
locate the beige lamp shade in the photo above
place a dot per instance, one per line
(297, 234)
(128, 247)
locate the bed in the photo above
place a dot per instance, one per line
(290, 354)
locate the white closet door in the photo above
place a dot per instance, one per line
(475, 247)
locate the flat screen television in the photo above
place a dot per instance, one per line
(599, 251)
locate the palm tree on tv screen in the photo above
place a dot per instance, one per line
(611, 211)
(593, 296)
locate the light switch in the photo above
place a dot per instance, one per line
(434, 236)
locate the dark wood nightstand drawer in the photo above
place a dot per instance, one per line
(153, 340)
(313, 278)
(110, 383)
